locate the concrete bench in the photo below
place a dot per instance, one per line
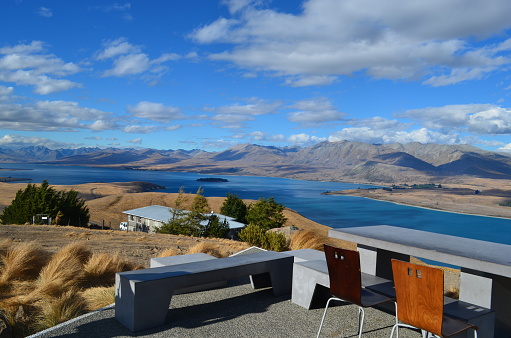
(311, 281)
(142, 297)
(188, 258)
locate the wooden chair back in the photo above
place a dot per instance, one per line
(344, 273)
(419, 295)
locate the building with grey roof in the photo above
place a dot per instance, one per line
(152, 217)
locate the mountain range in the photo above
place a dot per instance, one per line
(328, 161)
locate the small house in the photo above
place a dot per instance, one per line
(150, 218)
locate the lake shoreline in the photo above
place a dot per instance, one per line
(423, 199)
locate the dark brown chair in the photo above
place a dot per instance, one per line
(420, 300)
(346, 283)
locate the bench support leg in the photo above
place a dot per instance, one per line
(148, 309)
(489, 291)
(377, 262)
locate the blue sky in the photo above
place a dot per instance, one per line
(212, 74)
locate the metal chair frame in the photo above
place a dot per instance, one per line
(346, 283)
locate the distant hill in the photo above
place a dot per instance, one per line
(333, 161)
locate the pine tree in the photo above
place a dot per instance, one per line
(266, 213)
(234, 206)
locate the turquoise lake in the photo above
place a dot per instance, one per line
(303, 196)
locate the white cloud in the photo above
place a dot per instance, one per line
(233, 116)
(305, 81)
(174, 127)
(314, 112)
(52, 116)
(378, 136)
(155, 111)
(304, 139)
(129, 59)
(114, 48)
(135, 141)
(45, 12)
(28, 65)
(217, 31)
(260, 136)
(5, 93)
(378, 122)
(137, 129)
(390, 39)
(237, 5)
(506, 148)
(102, 125)
(475, 118)
(123, 9)
(19, 141)
(129, 65)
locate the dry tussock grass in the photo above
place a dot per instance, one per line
(56, 310)
(46, 291)
(306, 239)
(99, 297)
(169, 252)
(81, 235)
(63, 271)
(210, 249)
(101, 268)
(5, 244)
(20, 262)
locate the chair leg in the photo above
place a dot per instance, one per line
(360, 321)
(397, 325)
(393, 328)
(324, 314)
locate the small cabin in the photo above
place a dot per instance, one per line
(150, 218)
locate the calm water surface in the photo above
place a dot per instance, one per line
(302, 196)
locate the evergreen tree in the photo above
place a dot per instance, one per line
(234, 206)
(197, 218)
(266, 213)
(64, 207)
(216, 228)
(177, 225)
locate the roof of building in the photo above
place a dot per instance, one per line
(164, 214)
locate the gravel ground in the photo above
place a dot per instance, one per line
(236, 311)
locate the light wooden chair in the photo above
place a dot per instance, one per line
(420, 301)
(346, 283)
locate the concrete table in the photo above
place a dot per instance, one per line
(485, 266)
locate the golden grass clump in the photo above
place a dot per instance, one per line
(22, 261)
(101, 268)
(44, 291)
(168, 252)
(56, 310)
(99, 297)
(306, 239)
(210, 249)
(63, 271)
(5, 244)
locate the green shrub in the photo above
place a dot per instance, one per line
(268, 240)
(276, 241)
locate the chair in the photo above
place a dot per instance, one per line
(346, 283)
(420, 300)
